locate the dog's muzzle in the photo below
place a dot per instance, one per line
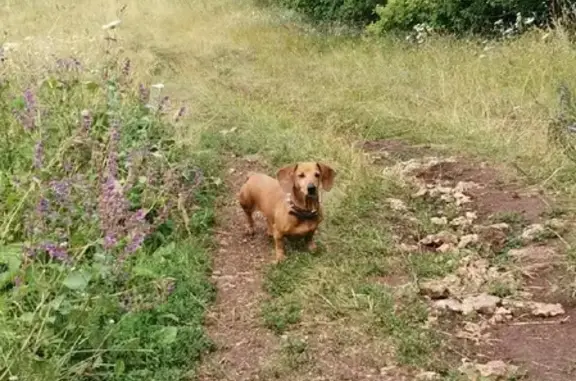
(312, 190)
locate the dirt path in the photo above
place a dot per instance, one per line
(243, 345)
(530, 252)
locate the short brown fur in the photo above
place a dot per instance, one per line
(297, 187)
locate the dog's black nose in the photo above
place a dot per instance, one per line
(311, 188)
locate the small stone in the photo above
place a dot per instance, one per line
(556, 224)
(463, 186)
(467, 240)
(546, 309)
(439, 239)
(448, 304)
(397, 205)
(446, 248)
(439, 220)
(461, 198)
(500, 226)
(438, 288)
(483, 303)
(491, 371)
(532, 232)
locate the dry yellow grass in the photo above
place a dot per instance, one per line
(493, 100)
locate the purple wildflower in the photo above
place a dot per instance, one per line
(29, 101)
(136, 242)
(61, 189)
(28, 118)
(17, 281)
(38, 154)
(86, 120)
(57, 252)
(110, 241)
(144, 94)
(43, 205)
(112, 208)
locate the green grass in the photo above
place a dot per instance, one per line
(257, 82)
(105, 232)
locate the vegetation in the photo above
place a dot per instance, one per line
(103, 270)
(108, 200)
(495, 18)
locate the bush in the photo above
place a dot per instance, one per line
(352, 12)
(455, 16)
(102, 275)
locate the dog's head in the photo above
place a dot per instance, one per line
(306, 178)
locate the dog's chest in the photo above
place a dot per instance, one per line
(303, 227)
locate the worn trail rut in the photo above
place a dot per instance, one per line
(243, 345)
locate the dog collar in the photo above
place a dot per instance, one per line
(301, 213)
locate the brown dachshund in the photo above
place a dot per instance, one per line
(290, 204)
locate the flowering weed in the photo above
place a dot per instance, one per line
(100, 276)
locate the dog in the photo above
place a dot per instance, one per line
(290, 203)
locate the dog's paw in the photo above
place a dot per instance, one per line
(312, 247)
(279, 259)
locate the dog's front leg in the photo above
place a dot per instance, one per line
(310, 243)
(279, 246)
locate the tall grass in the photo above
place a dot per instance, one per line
(104, 231)
(278, 89)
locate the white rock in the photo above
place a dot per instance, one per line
(397, 205)
(532, 232)
(467, 240)
(546, 309)
(439, 220)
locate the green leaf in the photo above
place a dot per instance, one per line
(91, 86)
(171, 317)
(77, 280)
(119, 367)
(18, 103)
(168, 335)
(145, 272)
(27, 317)
(11, 256)
(57, 302)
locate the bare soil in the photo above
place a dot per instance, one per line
(245, 350)
(543, 348)
(243, 345)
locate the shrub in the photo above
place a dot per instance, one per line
(470, 16)
(101, 276)
(352, 12)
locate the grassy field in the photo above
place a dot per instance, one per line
(254, 82)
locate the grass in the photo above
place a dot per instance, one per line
(257, 82)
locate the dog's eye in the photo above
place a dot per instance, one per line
(317, 174)
(301, 175)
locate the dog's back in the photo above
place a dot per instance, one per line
(261, 192)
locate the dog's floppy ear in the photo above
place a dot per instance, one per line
(327, 175)
(285, 176)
